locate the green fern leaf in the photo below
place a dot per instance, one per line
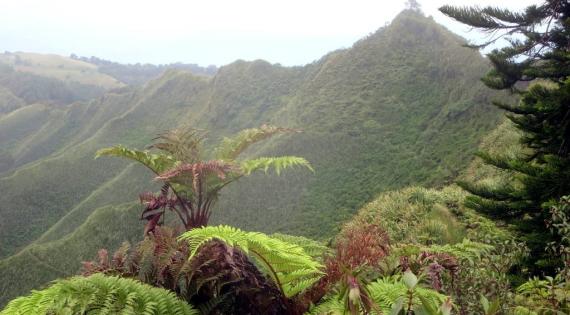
(287, 264)
(276, 163)
(99, 294)
(158, 163)
(231, 148)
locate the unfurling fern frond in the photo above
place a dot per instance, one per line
(158, 163)
(292, 269)
(276, 163)
(231, 148)
(99, 294)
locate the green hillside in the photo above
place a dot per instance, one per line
(28, 79)
(398, 108)
(139, 74)
(9, 101)
(438, 215)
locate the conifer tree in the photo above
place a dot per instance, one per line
(535, 65)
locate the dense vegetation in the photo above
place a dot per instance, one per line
(400, 107)
(373, 265)
(367, 134)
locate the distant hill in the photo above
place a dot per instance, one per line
(58, 67)
(401, 107)
(137, 74)
(20, 88)
(27, 78)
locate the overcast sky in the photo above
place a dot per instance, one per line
(292, 32)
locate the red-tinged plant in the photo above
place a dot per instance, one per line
(192, 182)
(219, 279)
(357, 250)
(433, 265)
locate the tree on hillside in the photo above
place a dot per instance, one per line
(538, 51)
(413, 5)
(191, 182)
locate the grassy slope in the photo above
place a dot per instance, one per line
(381, 115)
(61, 68)
(27, 79)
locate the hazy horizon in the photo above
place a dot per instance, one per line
(212, 33)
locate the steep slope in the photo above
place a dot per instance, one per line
(398, 108)
(403, 106)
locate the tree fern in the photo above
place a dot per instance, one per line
(99, 294)
(192, 183)
(288, 264)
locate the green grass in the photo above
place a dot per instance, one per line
(61, 68)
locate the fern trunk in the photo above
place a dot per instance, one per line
(229, 283)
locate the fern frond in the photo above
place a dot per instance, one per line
(198, 169)
(287, 264)
(276, 163)
(330, 306)
(313, 248)
(183, 143)
(158, 163)
(230, 148)
(386, 291)
(466, 250)
(99, 294)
